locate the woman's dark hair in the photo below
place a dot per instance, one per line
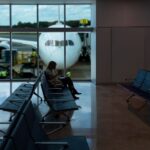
(51, 65)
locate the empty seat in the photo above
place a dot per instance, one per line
(139, 79)
(146, 84)
(25, 138)
(10, 145)
(140, 85)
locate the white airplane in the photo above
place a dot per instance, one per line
(51, 46)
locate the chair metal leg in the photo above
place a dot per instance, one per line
(67, 116)
(43, 118)
(38, 97)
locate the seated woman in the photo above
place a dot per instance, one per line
(54, 79)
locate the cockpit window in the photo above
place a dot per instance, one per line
(59, 43)
(70, 43)
(49, 43)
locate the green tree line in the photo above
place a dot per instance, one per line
(44, 24)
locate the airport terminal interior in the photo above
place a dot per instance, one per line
(103, 46)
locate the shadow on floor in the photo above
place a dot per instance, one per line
(141, 109)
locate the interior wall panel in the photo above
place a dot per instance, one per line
(127, 52)
(110, 13)
(130, 38)
(93, 43)
(103, 55)
(147, 48)
(118, 13)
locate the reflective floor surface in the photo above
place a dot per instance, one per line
(105, 118)
(121, 126)
(81, 121)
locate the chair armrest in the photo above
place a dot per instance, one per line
(128, 79)
(19, 93)
(52, 143)
(55, 88)
(5, 122)
(16, 101)
(62, 123)
(27, 84)
(22, 95)
(54, 93)
(57, 100)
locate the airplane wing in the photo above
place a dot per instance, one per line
(26, 42)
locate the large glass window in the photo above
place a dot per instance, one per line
(24, 16)
(79, 65)
(4, 16)
(78, 16)
(51, 48)
(51, 15)
(5, 55)
(5, 91)
(26, 47)
(24, 60)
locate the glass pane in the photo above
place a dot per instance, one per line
(24, 16)
(51, 15)
(25, 59)
(15, 85)
(78, 49)
(78, 15)
(5, 91)
(51, 48)
(4, 16)
(4, 55)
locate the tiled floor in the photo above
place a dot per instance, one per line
(118, 127)
(104, 118)
(80, 123)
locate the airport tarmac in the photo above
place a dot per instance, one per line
(80, 71)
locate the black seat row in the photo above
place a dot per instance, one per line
(22, 93)
(25, 132)
(28, 135)
(140, 85)
(5, 141)
(59, 99)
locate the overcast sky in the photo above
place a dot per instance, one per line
(27, 13)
